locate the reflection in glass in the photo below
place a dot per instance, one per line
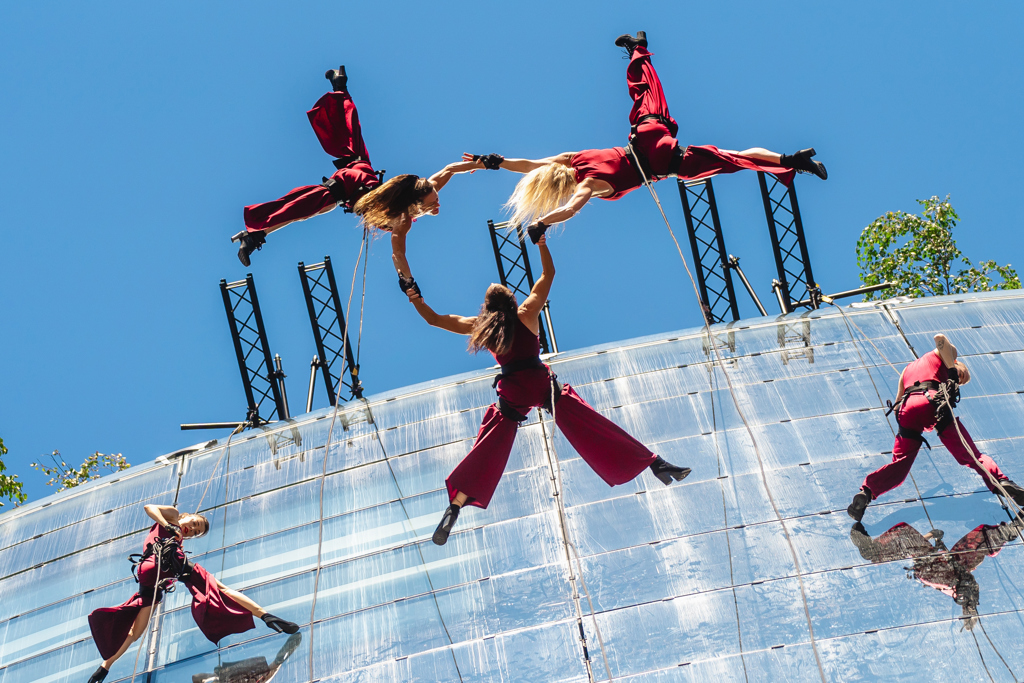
(251, 670)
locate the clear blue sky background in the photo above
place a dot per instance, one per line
(133, 134)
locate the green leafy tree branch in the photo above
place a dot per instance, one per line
(10, 487)
(919, 255)
(91, 468)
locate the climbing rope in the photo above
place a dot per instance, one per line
(364, 246)
(750, 432)
(571, 551)
(149, 619)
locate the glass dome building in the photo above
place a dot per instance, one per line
(746, 571)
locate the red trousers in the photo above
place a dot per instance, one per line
(336, 123)
(615, 455)
(655, 139)
(918, 413)
(216, 614)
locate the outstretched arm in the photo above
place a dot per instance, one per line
(398, 235)
(529, 311)
(579, 199)
(526, 165)
(441, 178)
(947, 352)
(453, 323)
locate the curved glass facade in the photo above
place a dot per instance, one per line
(685, 582)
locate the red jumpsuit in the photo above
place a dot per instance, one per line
(918, 413)
(336, 123)
(216, 614)
(655, 140)
(612, 453)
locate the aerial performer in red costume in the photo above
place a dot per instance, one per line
(218, 610)
(509, 331)
(928, 390)
(355, 186)
(556, 188)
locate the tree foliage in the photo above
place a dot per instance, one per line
(69, 477)
(919, 255)
(10, 487)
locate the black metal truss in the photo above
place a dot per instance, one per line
(785, 226)
(795, 341)
(327, 318)
(714, 277)
(514, 272)
(252, 350)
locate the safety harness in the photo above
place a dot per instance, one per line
(337, 189)
(509, 369)
(635, 155)
(171, 564)
(940, 391)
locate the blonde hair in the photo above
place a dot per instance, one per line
(385, 203)
(541, 191)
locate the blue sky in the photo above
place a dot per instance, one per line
(133, 134)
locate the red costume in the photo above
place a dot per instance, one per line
(919, 414)
(655, 140)
(216, 614)
(612, 453)
(336, 123)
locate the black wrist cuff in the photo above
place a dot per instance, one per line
(407, 283)
(536, 231)
(491, 162)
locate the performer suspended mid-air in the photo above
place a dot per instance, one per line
(218, 610)
(509, 331)
(556, 188)
(336, 123)
(928, 389)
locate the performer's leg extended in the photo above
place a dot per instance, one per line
(888, 476)
(474, 479)
(985, 466)
(137, 631)
(615, 455)
(646, 90)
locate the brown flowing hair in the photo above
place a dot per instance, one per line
(495, 327)
(379, 207)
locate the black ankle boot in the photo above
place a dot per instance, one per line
(630, 43)
(279, 624)
(249, 242)
(447, 522)
(666, 471)
(98, 676)
(1015, 491)
(859, 504)
(338, 79)
(801, 162)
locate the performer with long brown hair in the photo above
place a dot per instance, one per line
(556, 188)
(509, 332)
(393, 205)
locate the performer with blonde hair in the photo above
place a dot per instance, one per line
(557, 187)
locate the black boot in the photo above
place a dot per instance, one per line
(802, 163)
(338, 79)
(666, 471)
(249, 242)
(630, 43)
(279, 624)
(98, 675)
(447, 522)
(859, 504)
(1015, 491)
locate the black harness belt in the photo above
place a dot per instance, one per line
(170, 566)
(510, 369)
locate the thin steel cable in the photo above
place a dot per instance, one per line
(982, 625)
(982, 657)
(216, 467)
(570, 548)
(743, 417)
(412, 529)
(327, 448)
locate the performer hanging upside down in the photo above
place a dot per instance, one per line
(217, 610)
(922, 405)
(336, 123)
(509, 331)
(556, 188)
